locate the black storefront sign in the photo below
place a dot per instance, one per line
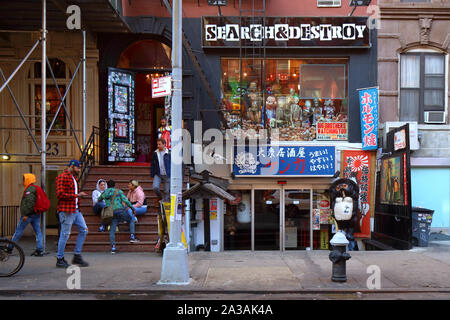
(285, 32)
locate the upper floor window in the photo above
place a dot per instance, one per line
(422, 86)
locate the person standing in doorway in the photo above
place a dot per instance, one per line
(160, 170)
(68, 194)
(28, 214)
(165, 131)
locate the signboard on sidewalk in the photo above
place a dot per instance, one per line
(161, 87)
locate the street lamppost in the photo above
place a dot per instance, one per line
(174, 264)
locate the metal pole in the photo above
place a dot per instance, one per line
(43, 113)
(19, 66)
(174, 264)
(84, 88)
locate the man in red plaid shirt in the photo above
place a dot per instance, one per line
(68, 193)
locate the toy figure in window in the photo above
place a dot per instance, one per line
(271, 109)
(306, 114)
(254, 109)
(329, 110)
(317, 111)
(283, 113)
(295, 110)
(344, 200)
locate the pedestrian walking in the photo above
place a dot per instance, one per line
(29, 214)
(160, 170)
(115, 197)
(68, 194)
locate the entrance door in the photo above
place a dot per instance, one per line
(297, 219)
(267, 228)
(282, 219)
(121, 120)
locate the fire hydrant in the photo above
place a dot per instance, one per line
(339, 257)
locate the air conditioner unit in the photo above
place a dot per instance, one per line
(434, 117)
(328, 3)
(413, 132)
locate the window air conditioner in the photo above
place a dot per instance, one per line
(328, 3)
(434, 117)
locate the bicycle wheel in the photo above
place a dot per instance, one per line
(12, 258)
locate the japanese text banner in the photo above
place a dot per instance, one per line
(284, 161)
(368, 101)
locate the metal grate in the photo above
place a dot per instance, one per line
(9, 217)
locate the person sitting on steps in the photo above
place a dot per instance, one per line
(120, 212)
(99, 205)
(137, 198)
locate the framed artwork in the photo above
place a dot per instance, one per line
(121, 130)
(121, 98)
(391, 186)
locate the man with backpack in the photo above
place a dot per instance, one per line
(68, 193)
(34, 202)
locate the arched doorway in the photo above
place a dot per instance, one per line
(132, 79)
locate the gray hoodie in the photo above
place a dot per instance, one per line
(97, 192)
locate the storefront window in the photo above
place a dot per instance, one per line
(237, 221)
(298, 99)
(322, 219)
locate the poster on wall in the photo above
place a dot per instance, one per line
(316, 219)
(368, 101)
(391, 181)
(363, 164)
(332, 131)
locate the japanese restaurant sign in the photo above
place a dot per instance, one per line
(291, 32)
(284, 160)
(332, 131)
(363, 164)
(368, 101)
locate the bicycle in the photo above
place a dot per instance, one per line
(12, 258)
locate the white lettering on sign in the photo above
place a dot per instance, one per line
(161, 87)
(284, 32)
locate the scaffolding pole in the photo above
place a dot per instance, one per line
(43, 114)
(84, 88)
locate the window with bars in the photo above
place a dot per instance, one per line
(328, 3)
(422, 85)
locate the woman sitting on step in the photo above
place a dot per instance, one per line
(99, 205)
(137, 198)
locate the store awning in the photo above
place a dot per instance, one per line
(26, 15)
(207, 191)
(208, 187)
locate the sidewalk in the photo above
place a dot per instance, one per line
(417, 269)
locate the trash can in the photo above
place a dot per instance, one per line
(421, 226)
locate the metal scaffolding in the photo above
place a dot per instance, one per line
(44, 132)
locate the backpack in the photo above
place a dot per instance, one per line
(42, 202)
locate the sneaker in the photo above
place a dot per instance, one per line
(113, 250)
(38, 253)
(77, 259)
(62, 263)
(134, 239)
(101, 228)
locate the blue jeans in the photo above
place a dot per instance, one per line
(157, 183)
(67, 220)
(119, 215)
(98, 207)
(139, 211)
(35, 220)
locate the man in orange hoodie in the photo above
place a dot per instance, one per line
(28, 215)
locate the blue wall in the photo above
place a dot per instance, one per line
(430, 188)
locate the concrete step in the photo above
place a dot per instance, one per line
(147, 218)
(123, 246)
(140, 227)
(121, 236)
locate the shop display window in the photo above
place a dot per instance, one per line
(237, 221)
(294, 99)
(322, 220)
